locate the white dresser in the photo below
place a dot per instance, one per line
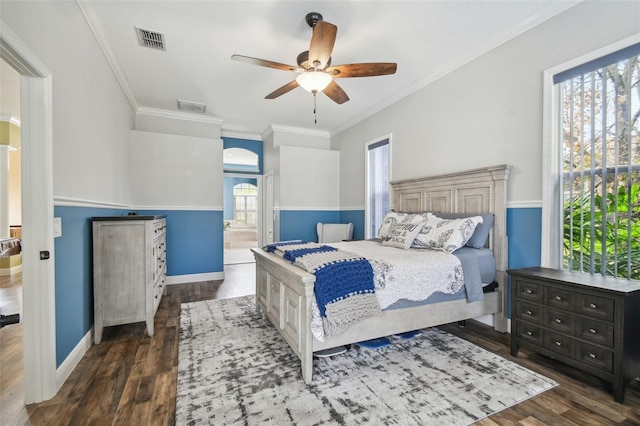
(129, 270)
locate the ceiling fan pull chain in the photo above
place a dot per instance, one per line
(315, 116)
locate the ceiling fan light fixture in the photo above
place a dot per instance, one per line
(314, 81)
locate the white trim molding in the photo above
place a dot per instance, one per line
(294, 131)
(530, 204)
(78, 202)
(179, 115)
(195, 278)
(73, 359)
(240, 135)
(315, 209)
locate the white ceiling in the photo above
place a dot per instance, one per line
(427, 39)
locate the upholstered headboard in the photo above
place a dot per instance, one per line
(482, 190)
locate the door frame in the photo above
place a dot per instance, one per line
(267, 210)
(38, 276)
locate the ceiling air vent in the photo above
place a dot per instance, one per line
(191, 106)
(151, 39)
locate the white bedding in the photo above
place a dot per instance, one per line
(413, 274)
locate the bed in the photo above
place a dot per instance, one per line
(285, 293)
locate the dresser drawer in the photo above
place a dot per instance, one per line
(594, 331)
(529, 333)
(529, 312)
(595, 306)
(560, 299)
(530, 291)
(560, 344)
(562, 322)
(594, 356)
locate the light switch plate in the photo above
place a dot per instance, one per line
(57, 227)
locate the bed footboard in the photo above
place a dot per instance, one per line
(283, 294)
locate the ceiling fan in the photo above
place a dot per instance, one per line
(314, 65)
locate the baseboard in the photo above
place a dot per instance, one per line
(194, 278)
(69, 364)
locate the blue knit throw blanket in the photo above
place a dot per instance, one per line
(344, 286)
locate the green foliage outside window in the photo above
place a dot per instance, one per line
(616, 227)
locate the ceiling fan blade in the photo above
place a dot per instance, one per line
(282, 90)
(265, 63)
(336, 93)
(322, 41)
(363, 70)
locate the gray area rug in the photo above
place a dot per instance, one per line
(234, 368)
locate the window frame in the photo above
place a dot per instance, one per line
(552, 200)
(245, 210)
(367, 221)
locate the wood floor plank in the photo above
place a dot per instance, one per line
(131, 379)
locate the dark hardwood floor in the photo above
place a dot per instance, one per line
(130, 379)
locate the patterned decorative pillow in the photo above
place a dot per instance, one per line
(446, 234)
(395, 218)
(402, 235)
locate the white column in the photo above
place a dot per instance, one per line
(4, 190)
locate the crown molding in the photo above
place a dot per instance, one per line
(294, 131)
(10, 119)
(179, 115)
(98, 33)
(240, 135)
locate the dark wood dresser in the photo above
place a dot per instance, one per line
(589, 322)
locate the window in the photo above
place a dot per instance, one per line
(245, 204)
(598, 132)
(378, 172)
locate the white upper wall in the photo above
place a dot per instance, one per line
(309, 179)
(487, 112)
(176, 171)
(92, 118)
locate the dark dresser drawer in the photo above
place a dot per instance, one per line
(530, 333)
(560, 343)
(595, 331)
(596, 306)
(530, 291)
(529, 312)
(560, 299)
(559, 321)
(594, 356)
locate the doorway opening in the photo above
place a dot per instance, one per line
(241, 218)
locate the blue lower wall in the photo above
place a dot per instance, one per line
(194, 246)
(301, 224)
(357, 218)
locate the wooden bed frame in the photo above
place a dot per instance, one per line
(284, 291)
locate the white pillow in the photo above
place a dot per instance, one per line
(402, 235)
(394, 218)
(446, 234)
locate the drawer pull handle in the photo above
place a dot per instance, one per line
(593, 331)
(558, 321)
(529, 333)
(558, 298)
(593, 305)
(529, 313)
(529, 291)
(592, 356)
(558, 343)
